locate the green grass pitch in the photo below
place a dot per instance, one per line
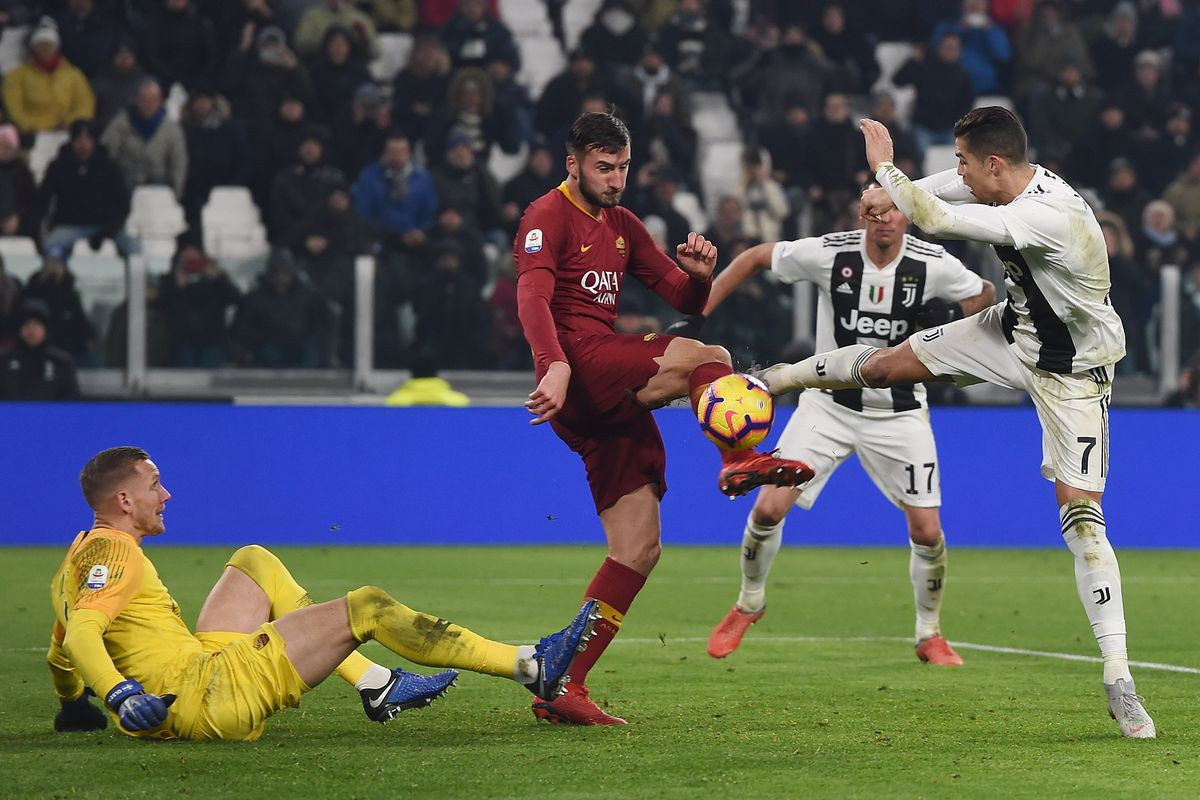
(824, 699)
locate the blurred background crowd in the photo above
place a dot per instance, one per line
(254, 148)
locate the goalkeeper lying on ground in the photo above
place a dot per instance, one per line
(260, 642)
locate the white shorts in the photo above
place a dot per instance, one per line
(1073, 409)
(896, 449)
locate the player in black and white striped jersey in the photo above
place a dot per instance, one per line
(876, 286)
(1056, 337)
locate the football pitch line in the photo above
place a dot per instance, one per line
(988, 648)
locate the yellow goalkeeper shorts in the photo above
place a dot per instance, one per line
(230, 690)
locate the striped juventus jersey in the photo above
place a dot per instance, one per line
(861, 303)
(1058, 315)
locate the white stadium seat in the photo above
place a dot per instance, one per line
(232, 224)
(1002, 100)
(577, 16)
(541, 59)
(394, 49)
(17, 246)
(45, 147)
(12, 47)
(155, 214)
(939, 157)
(525, 18)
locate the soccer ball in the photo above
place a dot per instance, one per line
(736, 411)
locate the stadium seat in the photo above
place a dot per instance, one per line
(394, 49)
(83, 250)
(525, 19)
(720, 170)
(17, 246)
(12, 47)
(688, 204)
(891, 56)
(504, 166)
(577, 16)
(45, 147)
(1002, 100)
(232, 224)
(175, 101)
(939, 157)
(155, 214)
(712, 116)
(541, 59)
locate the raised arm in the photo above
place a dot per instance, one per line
(947, 185)
(746, 265)
(929, 213)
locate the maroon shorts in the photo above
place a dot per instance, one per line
(603, 422)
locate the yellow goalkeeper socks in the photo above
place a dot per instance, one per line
(426, 639)
(265, 569)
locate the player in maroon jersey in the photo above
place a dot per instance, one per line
(596, 387)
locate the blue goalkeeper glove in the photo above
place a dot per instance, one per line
(137, 710)
(80, 715)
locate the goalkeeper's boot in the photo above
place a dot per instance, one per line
(745, 470)
(1125, 706)
(728, 634)
(556, 653)
(937, 651)
(574, 707)
(404, 691)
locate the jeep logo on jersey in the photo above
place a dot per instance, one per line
(879, 327)
(603, 284)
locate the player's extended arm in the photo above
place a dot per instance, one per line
(83, 643)
(947, 185)
(936, 217)
(742, 268)
(534, 288)
(76, 712)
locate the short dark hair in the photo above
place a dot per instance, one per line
(597, 130)
(993, 130)
(106, 469)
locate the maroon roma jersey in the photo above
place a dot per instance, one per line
(588, 258)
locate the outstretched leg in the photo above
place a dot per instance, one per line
(688, 367)
(855, 366)
(321, 636)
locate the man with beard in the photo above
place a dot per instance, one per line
(596, 387)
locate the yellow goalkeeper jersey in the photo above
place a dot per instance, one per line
(107, 576)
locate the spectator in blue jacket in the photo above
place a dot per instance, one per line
(397, 195)
(986, 50)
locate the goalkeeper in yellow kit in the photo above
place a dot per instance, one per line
(260, 641)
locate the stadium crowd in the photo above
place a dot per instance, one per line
(280, 99)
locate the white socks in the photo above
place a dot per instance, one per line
(1098, 579)
(838, 369)
(376, 677)
(927, 569)
(759, 546)
(526, 670)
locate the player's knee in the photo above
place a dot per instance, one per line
(714, 352)
(253, 559)
(877, 370)
(926, 533)
(772, 506)
(639, 557)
